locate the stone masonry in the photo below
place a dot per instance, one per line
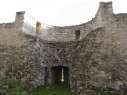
(94, 52)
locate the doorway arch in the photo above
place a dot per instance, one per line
(60, 75)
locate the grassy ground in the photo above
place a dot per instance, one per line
(110, 91)
(17, 88)
(57, 90)
(53, 90)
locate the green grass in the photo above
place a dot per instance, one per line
(110, 91)
(57, 90)
(17, 88)
(52, 90)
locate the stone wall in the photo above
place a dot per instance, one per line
(96, 59)
(19, 54)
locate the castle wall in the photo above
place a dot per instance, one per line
(9, 35)
(100, 58)
(19, 54)
(97, 58)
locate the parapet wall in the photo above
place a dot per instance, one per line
(6, 25)
(11, 33)
(103, 17)
(26, 24)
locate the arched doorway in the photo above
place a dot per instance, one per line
(60, 75)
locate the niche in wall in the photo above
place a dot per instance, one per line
(77, 34)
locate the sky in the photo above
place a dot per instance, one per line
(56, 12)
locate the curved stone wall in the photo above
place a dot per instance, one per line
(94, 52)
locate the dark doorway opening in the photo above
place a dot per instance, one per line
(77, 34)
(46, 75)
(60, 75)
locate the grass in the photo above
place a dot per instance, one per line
(110, 91)
(17, 88)
(57, 90)
(52, 90)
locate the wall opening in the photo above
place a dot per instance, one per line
(77, 34)
(46, 76)
(60, 75)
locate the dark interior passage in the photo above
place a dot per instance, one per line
(77, 34)
(60, 75)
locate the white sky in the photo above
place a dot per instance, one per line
(57, 12)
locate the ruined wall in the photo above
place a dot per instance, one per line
(9, 35)
(103, 65)
(19, 54)
(96, 59)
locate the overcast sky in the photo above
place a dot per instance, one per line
(57, 12)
